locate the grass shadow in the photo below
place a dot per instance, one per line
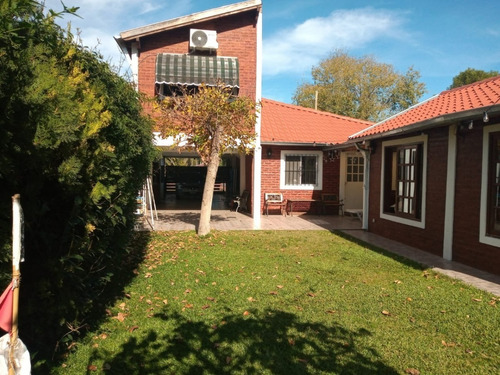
(270, 341)
(399, 258)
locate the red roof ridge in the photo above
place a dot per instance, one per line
(465, 87)
(316, 111)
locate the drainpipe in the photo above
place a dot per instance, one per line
(366, 184)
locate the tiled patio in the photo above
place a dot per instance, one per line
(224, 219)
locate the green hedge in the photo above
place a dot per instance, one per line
(75, 144)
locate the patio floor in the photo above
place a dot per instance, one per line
(224, 219)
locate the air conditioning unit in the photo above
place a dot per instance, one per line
(203, 39)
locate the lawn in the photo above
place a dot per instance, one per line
(287, 302)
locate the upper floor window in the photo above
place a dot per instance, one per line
(301, 170)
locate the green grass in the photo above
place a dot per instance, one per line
(285, 302)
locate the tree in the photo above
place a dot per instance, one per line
(359, 87)
(212, 121)
(470, 75)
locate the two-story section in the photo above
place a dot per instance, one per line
(216, 45)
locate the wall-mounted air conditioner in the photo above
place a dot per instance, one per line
(203, 39)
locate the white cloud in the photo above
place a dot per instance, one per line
(298, 49)
(100, 20)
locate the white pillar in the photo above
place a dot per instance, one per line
(257, 161)
(449, 211)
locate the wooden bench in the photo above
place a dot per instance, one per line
(274, 199)
(332, 200)
(292, 201)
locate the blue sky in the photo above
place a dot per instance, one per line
(438, 38)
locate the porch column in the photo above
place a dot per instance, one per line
(449, 211)
(257, 161)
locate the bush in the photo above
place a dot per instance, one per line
(75, 145)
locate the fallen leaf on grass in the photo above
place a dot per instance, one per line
(273, 292)
(204, 307)
(386, 313)
(311, 294)
(246, 313)
(279, 286)
(148, 275)
(412, 371)
(211, 299)
(331, 311)
(251, 299)
(448, 344)
(477, 299)
(120, 317)
(92, 368)
(133, 328)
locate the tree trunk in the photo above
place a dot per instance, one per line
(208, 190)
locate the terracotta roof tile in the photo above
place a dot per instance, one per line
(474, 96)
(286, 123)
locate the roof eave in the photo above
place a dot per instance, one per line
(228, 10)
(444, 120)
(295, 144)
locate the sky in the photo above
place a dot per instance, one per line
(438, 38)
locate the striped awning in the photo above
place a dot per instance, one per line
(176, 69)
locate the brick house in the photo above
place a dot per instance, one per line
(226, 43)
(223, 43)
(292, 134)
(434, 175)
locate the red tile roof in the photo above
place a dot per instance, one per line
(470, 97)
(286, 123)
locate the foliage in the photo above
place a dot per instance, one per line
(76, 147)
(283, 302)
(470, 75)
(359, 88)
(195, 119)
(212, 121)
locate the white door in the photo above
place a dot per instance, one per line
(352, 177)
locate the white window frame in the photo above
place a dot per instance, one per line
(483, 219)
(318, 154)
(419, 223)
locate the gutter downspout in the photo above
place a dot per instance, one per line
(366, 184)
(257, 162)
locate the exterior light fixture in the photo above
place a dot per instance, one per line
(269, 152)
(485, 117)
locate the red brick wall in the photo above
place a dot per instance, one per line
(271, 179)
(236, 36)
(466, 246)
(431, 238)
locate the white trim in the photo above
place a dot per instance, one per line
(449, 211)
(134, 63)
(318, 154)
(404, 141)
(483, 238)
(257, 170)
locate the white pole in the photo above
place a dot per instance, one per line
(16, 275)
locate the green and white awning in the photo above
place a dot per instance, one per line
(176, 69)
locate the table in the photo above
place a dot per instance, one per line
(290, 203)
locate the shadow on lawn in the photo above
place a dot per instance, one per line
(263, 342)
